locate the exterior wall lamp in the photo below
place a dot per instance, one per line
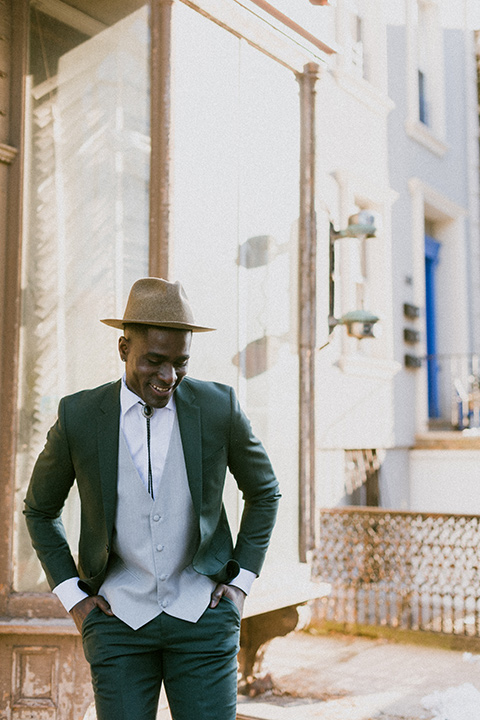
(359, 323)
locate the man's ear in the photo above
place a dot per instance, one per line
(123, 346)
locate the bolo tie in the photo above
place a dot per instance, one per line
(147, 412)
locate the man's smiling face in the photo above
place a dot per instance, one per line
(156, 361)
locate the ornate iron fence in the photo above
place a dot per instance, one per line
(408, 570)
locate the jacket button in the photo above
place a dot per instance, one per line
(156, 518)
(159, 548)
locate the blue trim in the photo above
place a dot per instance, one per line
(432, 248)
(432, 252)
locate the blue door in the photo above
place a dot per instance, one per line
(432, 251)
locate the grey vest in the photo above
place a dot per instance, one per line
(154, 544)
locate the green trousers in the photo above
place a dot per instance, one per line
(196, 661)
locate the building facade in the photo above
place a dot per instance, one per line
(237, 146)
(165, 138)
(397, 416)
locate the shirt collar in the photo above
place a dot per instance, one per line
(128, 398)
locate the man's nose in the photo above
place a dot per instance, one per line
(167, 374)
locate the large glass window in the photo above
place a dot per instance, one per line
(87, 150)
(235, 207)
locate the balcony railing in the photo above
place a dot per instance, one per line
(454, 391)
(415, 571)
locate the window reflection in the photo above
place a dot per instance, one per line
(235, 207)
(85, 238)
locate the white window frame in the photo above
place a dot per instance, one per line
(372, 90)
(431, 135)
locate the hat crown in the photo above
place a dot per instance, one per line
(154, 301)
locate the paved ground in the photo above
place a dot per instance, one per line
(340, 677)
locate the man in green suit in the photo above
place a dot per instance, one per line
(159, 586)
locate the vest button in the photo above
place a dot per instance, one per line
(159, 548)
(163, 577)
(156, 518)
(164, 603)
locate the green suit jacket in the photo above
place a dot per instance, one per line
(82, 446)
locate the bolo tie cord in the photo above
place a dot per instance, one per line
(148, 412)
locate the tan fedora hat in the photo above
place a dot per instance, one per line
(153, 301)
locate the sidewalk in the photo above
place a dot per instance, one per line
(340, 677)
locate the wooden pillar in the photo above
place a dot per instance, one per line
(307, 314)
(13, 54)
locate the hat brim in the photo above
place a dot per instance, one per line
(119, 325)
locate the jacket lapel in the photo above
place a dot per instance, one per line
(108, 423)
(189, 421)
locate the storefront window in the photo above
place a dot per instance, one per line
(236, 207)
(85, 240)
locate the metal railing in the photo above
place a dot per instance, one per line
(415, 571)
(454, 390)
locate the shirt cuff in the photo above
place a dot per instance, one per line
(244, 580)
(69, 593)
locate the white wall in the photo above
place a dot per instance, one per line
(445, 481)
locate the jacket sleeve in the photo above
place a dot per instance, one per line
(249, 464)
(51, 481)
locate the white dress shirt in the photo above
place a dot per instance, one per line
(133, 424)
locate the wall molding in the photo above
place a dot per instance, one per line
(70, 16)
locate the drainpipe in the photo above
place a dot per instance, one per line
(161, 136)
(307, 313)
